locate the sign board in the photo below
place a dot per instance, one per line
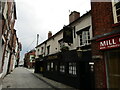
(110, 43)
(67, 34)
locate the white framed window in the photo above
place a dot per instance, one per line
(84, 38)
(48, 50)
(48, 66)
(117, 6)
(62, 68)
(72, 69)
(51, 64)
(116, 10)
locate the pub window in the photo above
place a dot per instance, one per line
(62, 67)
(48, 66)
(56, 67)
(72, 68)
(51, 66)
(84, 38)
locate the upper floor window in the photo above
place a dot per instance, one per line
(42, 49)
(84, 36)
(48, 49)
(117, 6)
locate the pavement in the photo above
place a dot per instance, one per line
(52, 83)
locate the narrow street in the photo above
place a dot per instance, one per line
(22, 78)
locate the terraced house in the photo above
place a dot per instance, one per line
(10, 46)
(66, 56)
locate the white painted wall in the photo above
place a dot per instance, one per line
(53, 42)
(54, 45)
(81, 24)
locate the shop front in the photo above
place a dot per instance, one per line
(110, 46)
(71, 68)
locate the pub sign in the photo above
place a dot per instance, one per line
(67, 34)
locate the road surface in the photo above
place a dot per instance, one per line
(22, 78)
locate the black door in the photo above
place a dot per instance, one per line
(86, 76)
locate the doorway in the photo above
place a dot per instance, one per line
(113, 68)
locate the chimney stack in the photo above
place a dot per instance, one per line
(49, 34)
(73, 16)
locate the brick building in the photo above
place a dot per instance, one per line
(9, 44)
(29, 59)
(106, 43)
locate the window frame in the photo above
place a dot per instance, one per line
(85, 38)
(117, 9)
(72, 68)
(62, 68)
(48, 50)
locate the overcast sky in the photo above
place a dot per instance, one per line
(40, 16)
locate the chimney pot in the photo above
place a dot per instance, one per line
(49, 34)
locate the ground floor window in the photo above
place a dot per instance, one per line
(62, 67)
(113, 68)
(52, 66)
(48, 66)
(72, 68)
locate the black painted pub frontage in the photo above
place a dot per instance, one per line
(70, 67)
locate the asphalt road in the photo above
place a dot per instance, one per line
(22, 78)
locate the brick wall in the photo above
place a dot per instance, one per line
(102, 20)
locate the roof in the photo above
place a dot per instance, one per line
(62, 29)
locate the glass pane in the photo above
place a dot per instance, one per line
(118, 18)
(113, 63)
(118, 12)
(118, 5)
